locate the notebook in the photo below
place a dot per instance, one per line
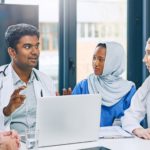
(68, 119)
(112, 132)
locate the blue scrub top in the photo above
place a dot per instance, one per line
(108, 114)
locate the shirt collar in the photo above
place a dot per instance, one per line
(16, 78)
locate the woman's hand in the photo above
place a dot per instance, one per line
(142, 133)
(65, 92)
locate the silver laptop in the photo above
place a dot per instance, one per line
(68, 119)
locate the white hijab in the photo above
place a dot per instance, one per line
(110, 85)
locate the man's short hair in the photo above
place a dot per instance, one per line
(15, 32)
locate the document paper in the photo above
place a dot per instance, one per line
(113, 132)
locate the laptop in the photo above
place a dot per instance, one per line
(68, 119)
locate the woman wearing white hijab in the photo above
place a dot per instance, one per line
(140, 105)
(108, 64)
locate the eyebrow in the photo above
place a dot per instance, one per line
(31, 43)
(99, 56)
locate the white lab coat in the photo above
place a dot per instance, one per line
(140, 105)
(44, 84)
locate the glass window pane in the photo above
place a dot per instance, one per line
(33, 2)
(98, 20)
(48, 26)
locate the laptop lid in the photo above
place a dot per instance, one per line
(68, 119)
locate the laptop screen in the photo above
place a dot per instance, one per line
(68, 119)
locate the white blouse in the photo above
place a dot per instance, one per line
(140, 106)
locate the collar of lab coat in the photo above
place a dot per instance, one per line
(7, 87)
(44, 84)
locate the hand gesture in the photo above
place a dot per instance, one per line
(16, 100)
(67, 91)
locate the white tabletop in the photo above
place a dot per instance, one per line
(126, 144)
(113, 144)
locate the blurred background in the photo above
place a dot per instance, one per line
(70, 30)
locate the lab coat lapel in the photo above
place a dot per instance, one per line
(7, 87)
(37, 88)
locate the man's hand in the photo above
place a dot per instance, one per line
(9, 140)
(16, 100)
(142, 133)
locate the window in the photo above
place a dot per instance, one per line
(48, 26)
(96, 31)
(99, 20)
(82, 29)
(89, 30)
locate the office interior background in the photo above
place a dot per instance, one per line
(70, 30)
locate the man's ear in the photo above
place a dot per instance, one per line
(12, 53)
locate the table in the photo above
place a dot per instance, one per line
(113, 144)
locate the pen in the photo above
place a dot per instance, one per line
(41, 93)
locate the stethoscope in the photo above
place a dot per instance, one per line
(26, 108)
(4, 74)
